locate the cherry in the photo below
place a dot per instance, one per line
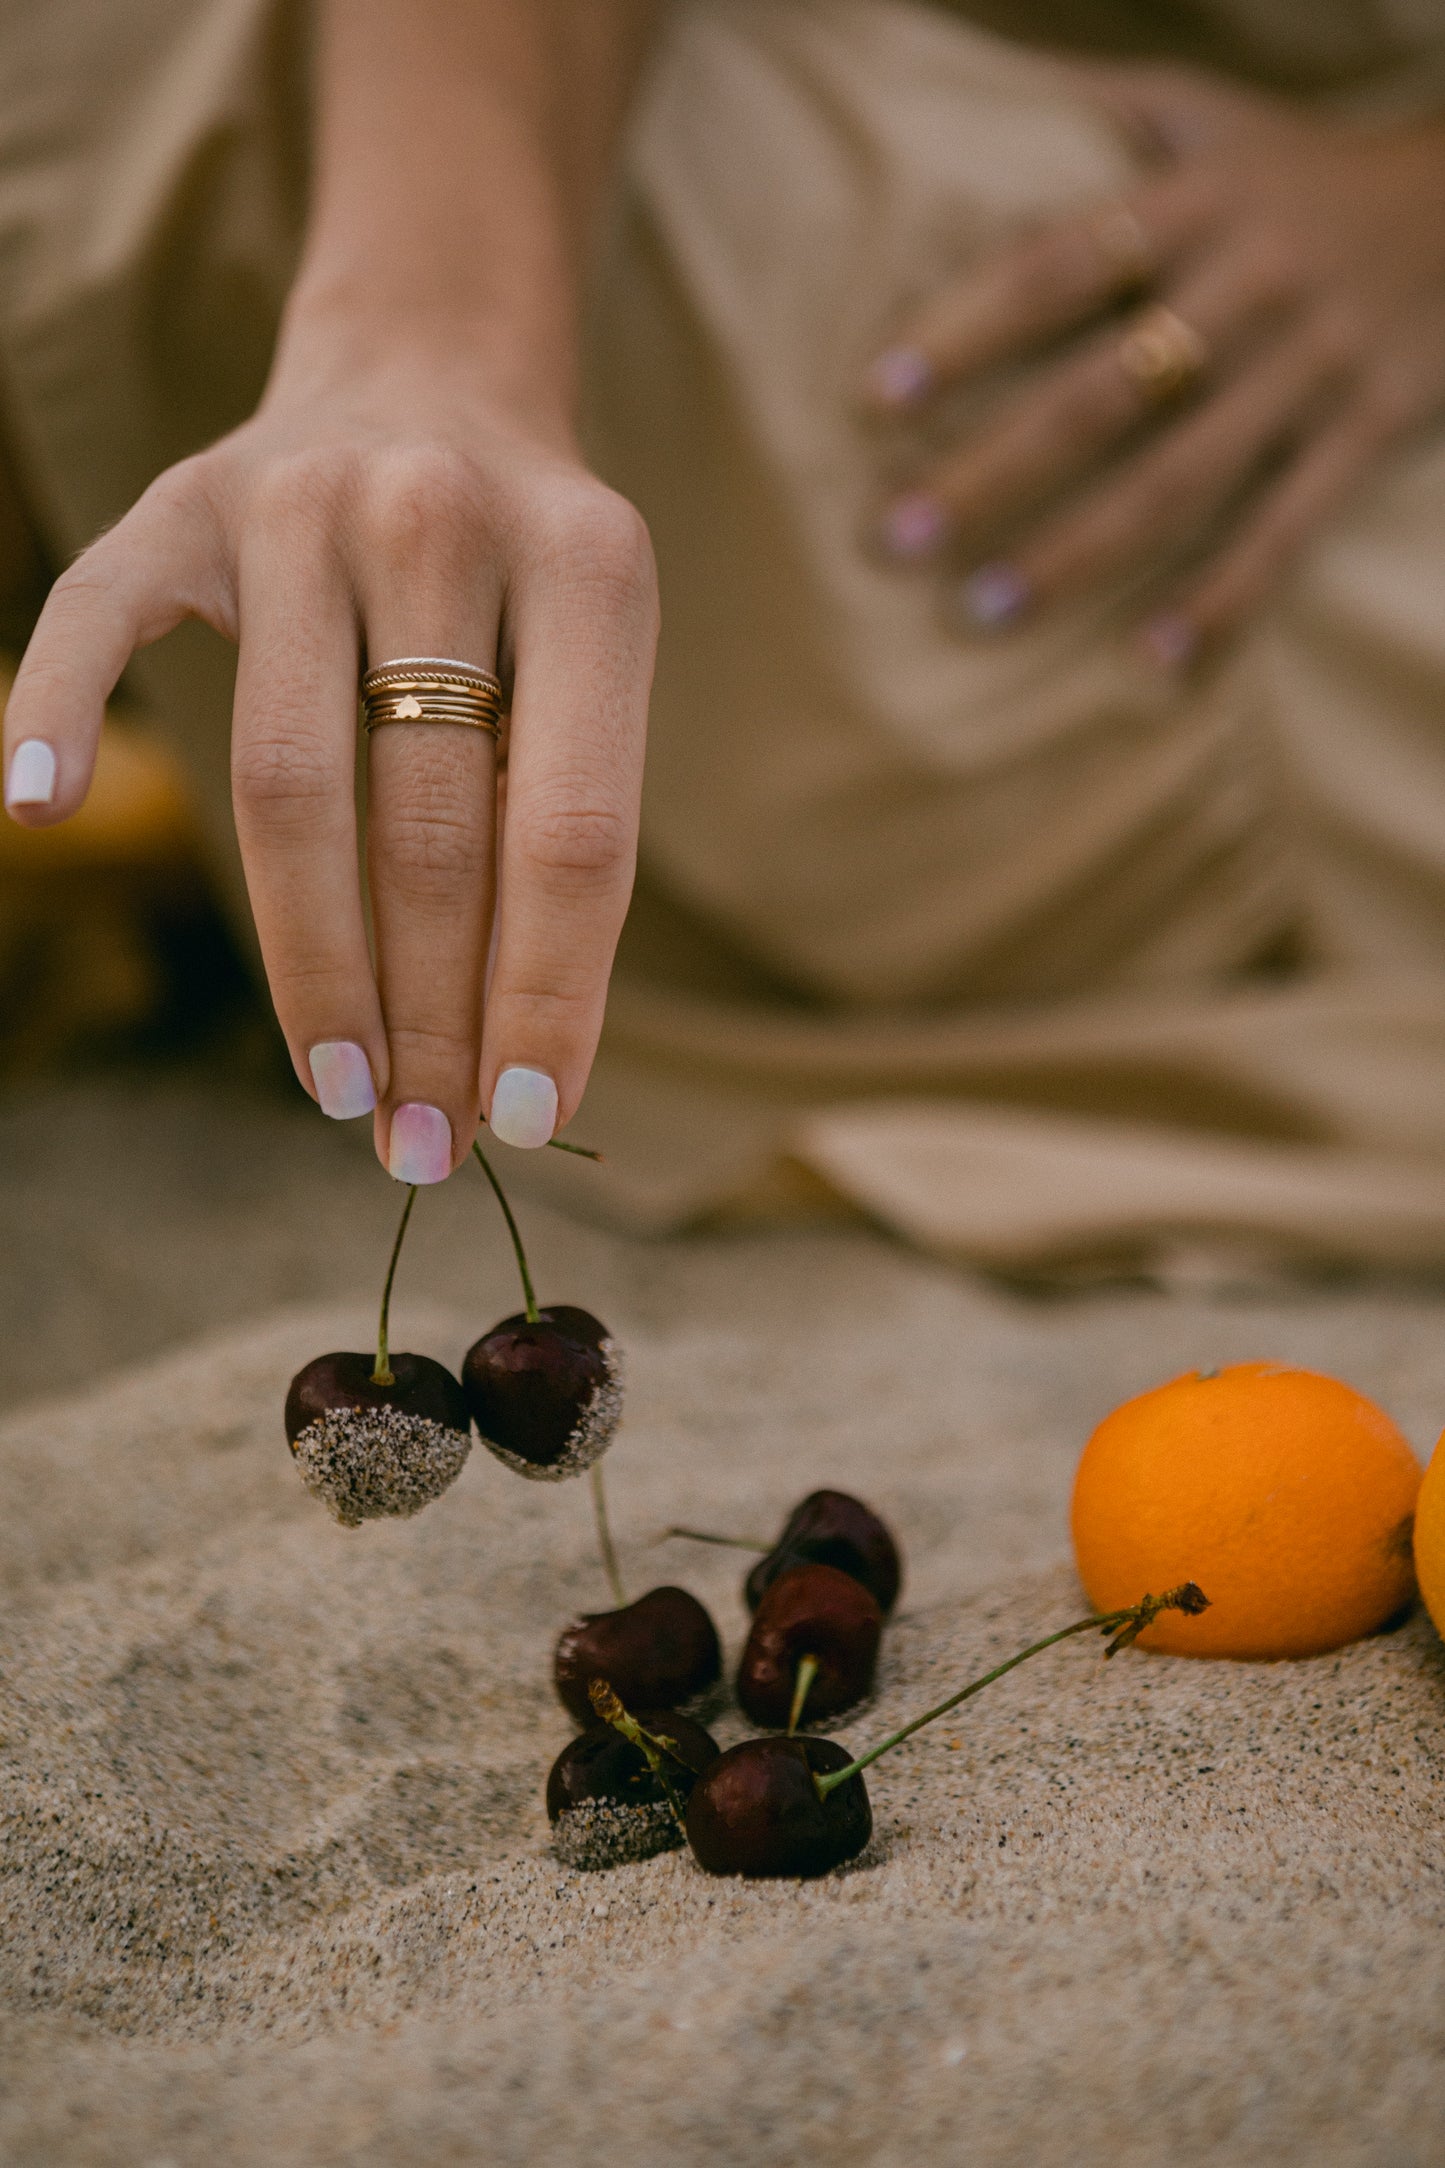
(658, 1652)
(830, 1528)
(757, 1810)
(817, 1613)
(544, 1387)
(799, 1806)
(376, 1436)
(606, 1803)
(545, 1391)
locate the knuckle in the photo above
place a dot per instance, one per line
(431, 849)
(282, 771)
(582, 844)
(300, 489)
(417, 1043)
(595, 534)
(417, 492)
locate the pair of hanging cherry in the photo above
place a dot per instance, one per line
(384, 1434)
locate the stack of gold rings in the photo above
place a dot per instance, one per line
(431, 689)
(1162, 355)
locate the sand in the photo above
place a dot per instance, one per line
(277, 1885)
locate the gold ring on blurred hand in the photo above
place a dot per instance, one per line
(431, 689)
(1162, 355)
(1120, 237)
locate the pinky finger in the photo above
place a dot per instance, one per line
(1260, 553)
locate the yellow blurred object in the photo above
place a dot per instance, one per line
(85, 906)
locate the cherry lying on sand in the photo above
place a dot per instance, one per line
(611, 1801)
(791, 1806)
(830, 1528)
(544, 1387)
(377, 1435)
(814, 1616)
(827, 1528)
(657, 1653)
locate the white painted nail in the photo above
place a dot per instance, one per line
(342, 1076)
(524, 1108)
(32, 774)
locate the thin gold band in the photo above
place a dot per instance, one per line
(431, 689)
(1162, 355)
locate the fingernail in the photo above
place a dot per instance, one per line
(900, 375)
(524, 1108)
(32, 774)
(421, 1144)
(913, 525)
(1169, 641)
(994, 595)
(342, 1076)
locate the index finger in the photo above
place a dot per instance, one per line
(584, 632)
(1032, 289)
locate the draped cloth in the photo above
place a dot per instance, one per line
(1044, 960)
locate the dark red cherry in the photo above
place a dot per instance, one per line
(367, 1450)
(811, 1611)
(757, 1811)
(546, 1397)
(604, 1802)
(655, 1653)
(828, 1528)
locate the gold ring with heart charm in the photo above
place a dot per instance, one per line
(431, 689)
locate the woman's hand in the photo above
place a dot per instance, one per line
(390, 503)
(1303, 266)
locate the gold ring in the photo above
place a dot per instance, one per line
(1120, 237)
(431, 689)
(1162, 355)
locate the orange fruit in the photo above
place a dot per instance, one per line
(1430, 1537)
(1287, 1496)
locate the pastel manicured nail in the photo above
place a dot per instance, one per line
(913, 525)
(421, 1144)
(32, 774)
(900, 376)
(342, 1076)
(524, 1108)
(994, 595)
(1169, 641)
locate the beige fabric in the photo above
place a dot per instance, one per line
(893, 879)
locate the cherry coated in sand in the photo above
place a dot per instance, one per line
(610, 1802)
(543, 1387)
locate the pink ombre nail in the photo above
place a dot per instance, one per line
(342, 1076)
(421, 1144)
(913, 526)
(900, 376)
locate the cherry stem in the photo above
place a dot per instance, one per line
(651, 1746)
(701, 1535)
(803, 1685)
(533, 1313)
(579, 1151)
(1125, 1627)
(604, 1536)
(383, 1373)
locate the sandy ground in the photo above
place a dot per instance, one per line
(276, 1885)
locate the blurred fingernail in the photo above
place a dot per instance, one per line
(1169, 641)
(32, 774)
(994, 595)
(913, 525)
(524, 1108)
(900, 375)
(342, 1076)
(421, 1144)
